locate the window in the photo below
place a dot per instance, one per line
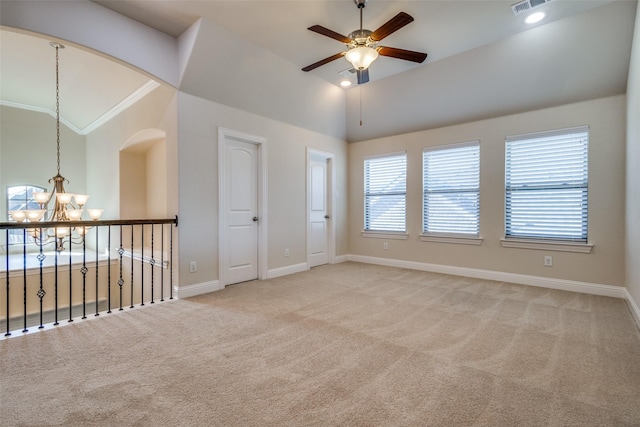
(385, 193)
(20, 197)
(547, 185)
(451, 190)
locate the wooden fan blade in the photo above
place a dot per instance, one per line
(323, 61)
(329, 33)
(391, 26)
(407, 55)
(363, 76)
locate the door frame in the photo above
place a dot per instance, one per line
(331, 208)
(224, 136)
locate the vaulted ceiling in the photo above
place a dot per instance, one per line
(92, 88)
(483, 60)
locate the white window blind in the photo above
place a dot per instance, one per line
(547, 185)
(385, 193)
(451, 190)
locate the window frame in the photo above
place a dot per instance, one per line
(367, 195)
(16, 236)
(577, 182)
(451, 235)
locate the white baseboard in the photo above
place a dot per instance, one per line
(340, 258)
(521, 279)
(633, 307)
(197, 289)
(289, 269)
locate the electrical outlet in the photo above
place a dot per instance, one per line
(385, 246)
(548, 261)
(286, 252)
(193, 267)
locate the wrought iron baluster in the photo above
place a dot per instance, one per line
(171, 260)
(70, 279)
(142, 264)
(6, 277)
(152, 262)
(41, 292)
(162, 262)
(55, 288)
(120, 280)
(84, 270)
(97, 272)
(24, 276)
(109, 269)
(132, 231)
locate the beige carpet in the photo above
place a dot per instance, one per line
(340, 345)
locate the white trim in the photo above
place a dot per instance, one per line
(137, 95)
(127, 102)
(340, 258)
(393, 235)
(289, 269)
(263, 235)
(37, 109)
(633, 307)
(452, 145)
(547, 245)
(451, 239)
(500, 276)
(383, 155)
(197, 289)
(548, 133)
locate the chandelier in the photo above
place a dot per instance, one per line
(67, 206)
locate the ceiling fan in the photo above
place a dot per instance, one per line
(362, 44)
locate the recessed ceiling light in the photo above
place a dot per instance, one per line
(534, 17)
(345, 83)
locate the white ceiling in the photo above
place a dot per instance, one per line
(441, 28)
(483, 61)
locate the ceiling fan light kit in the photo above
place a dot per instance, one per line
(362, 45)
(361, 57)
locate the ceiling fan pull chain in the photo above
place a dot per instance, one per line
(360, 87)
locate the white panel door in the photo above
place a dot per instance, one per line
(241, 216)
(318, 233)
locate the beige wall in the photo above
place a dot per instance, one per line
(156, 111)
(605, 265)
(198, 124)
(156, 179)
(633, 170)
(28, 153)
(133, 184)
(143, 180)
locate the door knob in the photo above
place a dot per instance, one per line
(326, 217)
(255, 219)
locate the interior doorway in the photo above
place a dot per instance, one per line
(320, 208)
(242, 200)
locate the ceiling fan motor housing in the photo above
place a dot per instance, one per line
(361, 38)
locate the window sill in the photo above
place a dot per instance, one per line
(547, 245)
(452, 239)
(396, 235)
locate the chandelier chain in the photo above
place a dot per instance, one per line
(57, 112)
